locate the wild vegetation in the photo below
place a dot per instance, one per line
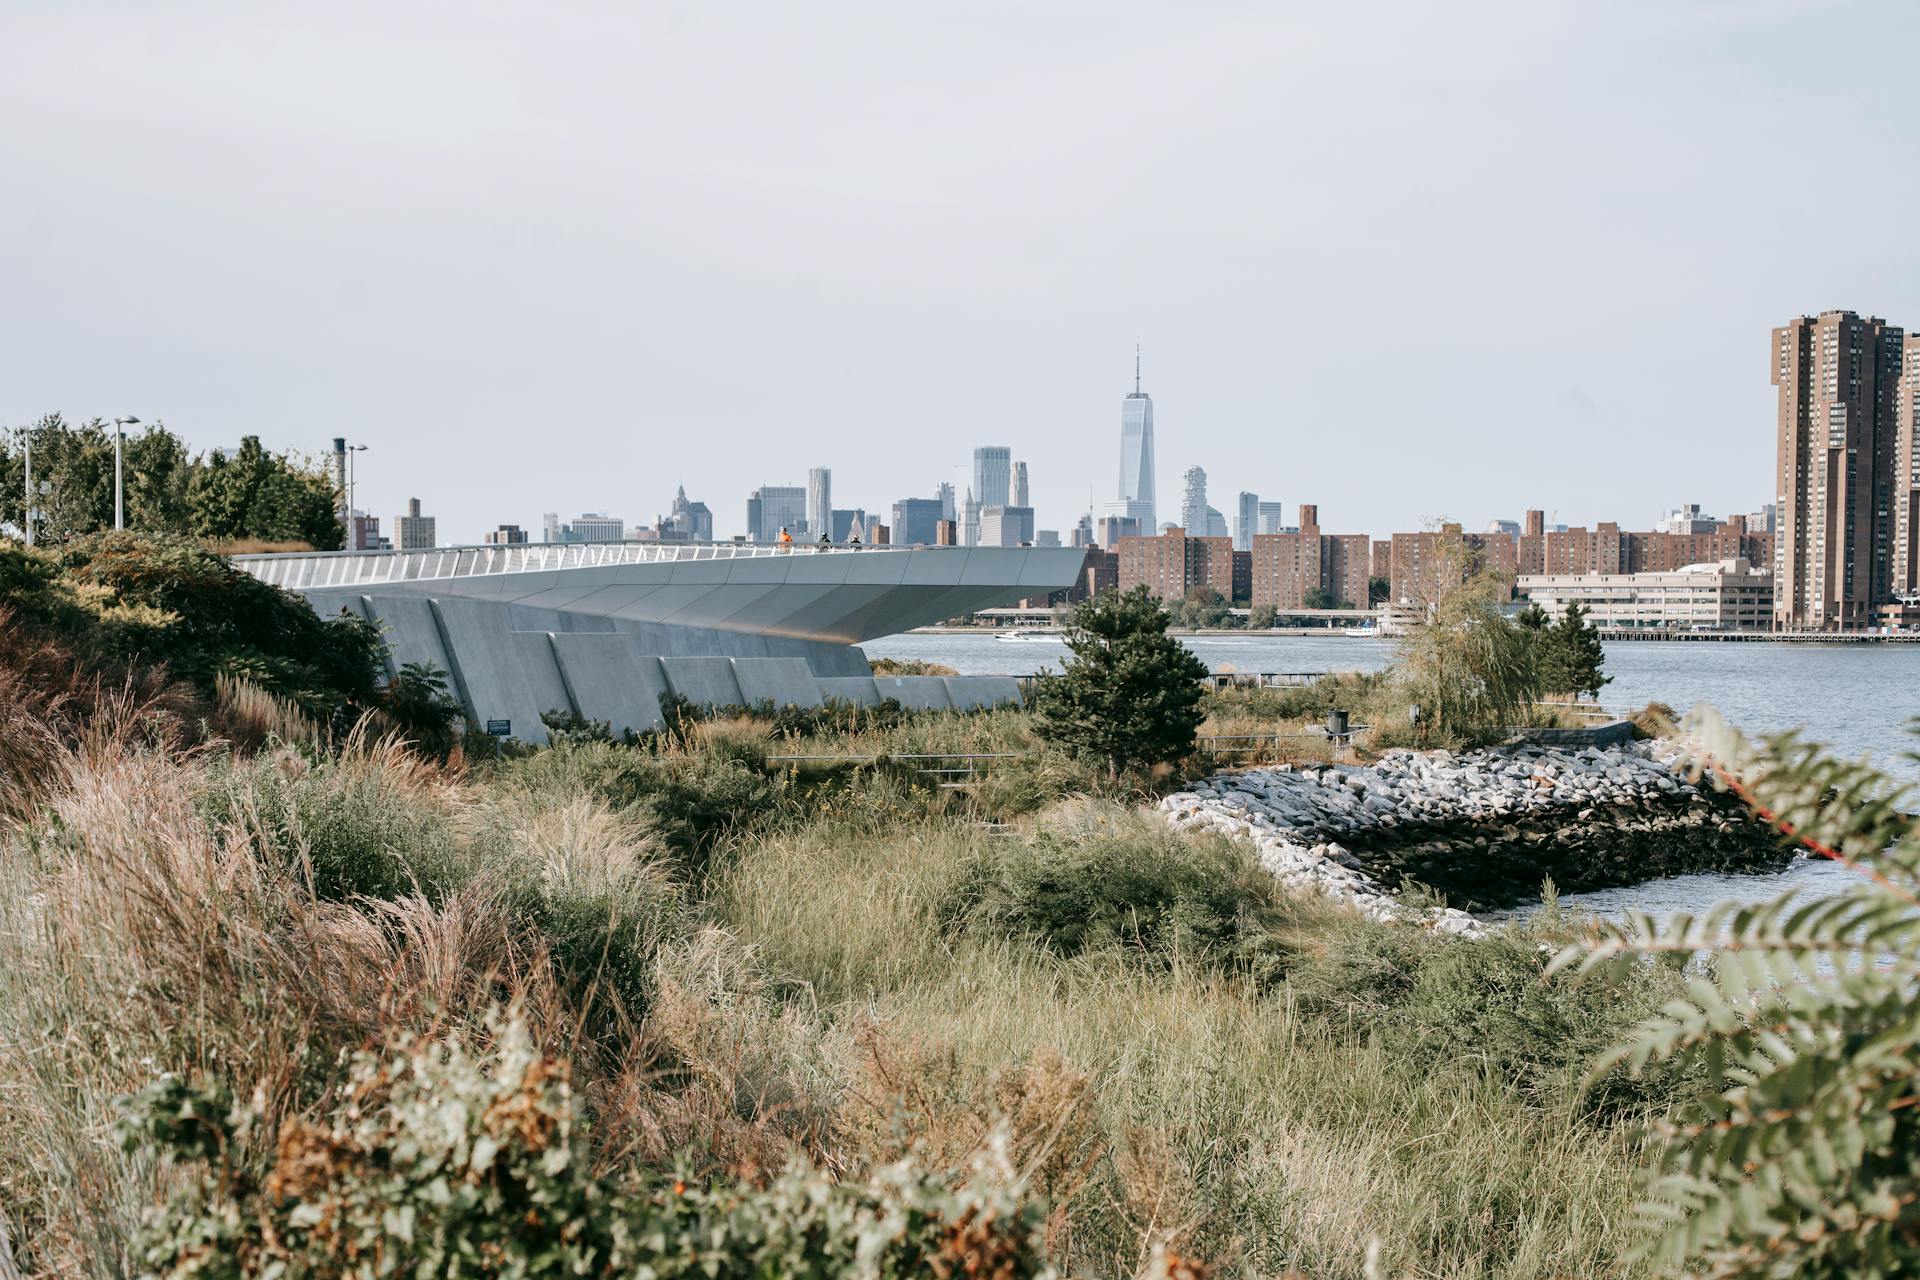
(295, 1001)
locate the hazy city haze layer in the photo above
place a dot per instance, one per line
(1396, 259)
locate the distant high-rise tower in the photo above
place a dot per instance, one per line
(819, 500)
(970, 521)
(1020, 485)
(1838, 376)
(1246, 521)
(992, 474)
(1193, 503)
(1906, 475)
(1136, 456)
(413, 531)
(944, 493)
(773, 507)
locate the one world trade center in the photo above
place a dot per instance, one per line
(1136, 457)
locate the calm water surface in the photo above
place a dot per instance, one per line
(1856, 698)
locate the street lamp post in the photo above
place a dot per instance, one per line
(26, 512)
(119, 484)
(353, 523)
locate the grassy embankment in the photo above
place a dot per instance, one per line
(738, 964)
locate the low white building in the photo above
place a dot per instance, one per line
(1728, 595)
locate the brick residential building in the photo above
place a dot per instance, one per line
(1284, 568)
(1904, 580)
(1172, 564)
(1838, 375)
(1605, 549)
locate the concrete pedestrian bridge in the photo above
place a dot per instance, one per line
(607, 629)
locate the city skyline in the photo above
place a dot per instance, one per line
(613, 253)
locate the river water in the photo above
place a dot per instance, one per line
(1857, 698)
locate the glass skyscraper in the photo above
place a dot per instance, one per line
(992, 475)
(1136, 450)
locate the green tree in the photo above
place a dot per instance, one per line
(75, 466)
(1128, 694)
(1261, 617)
(1567, 653)
(1317, 598)
(1800, 1156)
(1577, 655)
(168, 492)
(1470, 671)
(260, 495)
(1378, 589)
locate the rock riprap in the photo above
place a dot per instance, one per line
(1483, 828)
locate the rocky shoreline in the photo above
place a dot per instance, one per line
(1482, 828)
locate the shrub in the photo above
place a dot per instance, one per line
(1095, 880)
(469, 1162)
(122, 597)
(690, 800)
(370, 824)
(909, 667)
(418, 703)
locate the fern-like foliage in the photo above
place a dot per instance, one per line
(1801, 1156)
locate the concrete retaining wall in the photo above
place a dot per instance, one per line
(858, 690)
(972, 693)
(916, 693)
(705, 682)
(785, 682)
(608, 679)
(514, 663)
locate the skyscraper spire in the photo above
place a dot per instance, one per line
(1136, 366)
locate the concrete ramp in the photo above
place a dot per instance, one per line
(972, 693)
(785, 682)
(609, 679)
(856, 691)
(705, 682)
(915, 693)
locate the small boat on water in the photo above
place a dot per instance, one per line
(1365, 631)
(1017, 634)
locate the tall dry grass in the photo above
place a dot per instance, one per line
(248, 919)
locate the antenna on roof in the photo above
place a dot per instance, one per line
(1136, 366)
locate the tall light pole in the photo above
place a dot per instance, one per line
(353, 525)
(119, 485)
(26, 512)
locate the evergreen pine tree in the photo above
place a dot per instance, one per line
(1129, 694)
(1577, 654)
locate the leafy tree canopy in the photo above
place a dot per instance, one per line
(255, 494)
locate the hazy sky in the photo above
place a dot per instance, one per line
(1401, 260)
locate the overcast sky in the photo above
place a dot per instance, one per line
(1402, 260)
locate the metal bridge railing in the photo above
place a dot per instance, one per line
(303, 570)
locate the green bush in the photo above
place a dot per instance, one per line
(690, 799)
(1094, 882)
(451, 1161)
(349, 825)
(129, 598)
